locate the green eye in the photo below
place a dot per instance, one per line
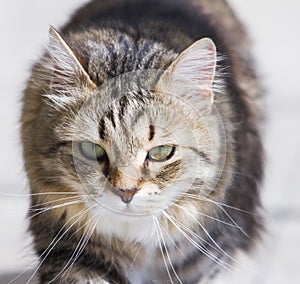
(92, 151)
(161, 153)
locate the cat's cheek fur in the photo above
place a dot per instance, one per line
(148, 189)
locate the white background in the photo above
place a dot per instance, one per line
(274, 28)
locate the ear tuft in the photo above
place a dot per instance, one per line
(192, 73)
(67, 67)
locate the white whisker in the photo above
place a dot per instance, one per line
(234, 222)
(166, 250)
(50, 247)
(220, 206)
(207, 216)
(173, 242)
(80, 246)
(202, 198)
(43, 210)
(203, 250)
(33, 207)
(40, 194)
(208, 234)
(161, 249)
(56, 240)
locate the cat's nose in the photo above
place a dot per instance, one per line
(126, 194)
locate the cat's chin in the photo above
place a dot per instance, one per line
(129, 223)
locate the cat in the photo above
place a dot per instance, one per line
(141, 139)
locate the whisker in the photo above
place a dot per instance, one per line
(209, 235)
(43, 210)
(219, 248)
(161, 249)
(195, 235)
(82, 226)
(166, 250)
(135, 257)
(56, 240)
(220, 206)
(234, 222)
(41, 193)
(80, 246)
(208, 216)
(203, 250)
(202, 198)
(32, 207)
(53, 243)
(173, 242)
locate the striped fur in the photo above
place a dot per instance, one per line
(132, 75)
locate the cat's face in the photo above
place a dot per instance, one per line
(142, 142)
(138, 153)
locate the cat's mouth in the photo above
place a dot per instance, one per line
(130, 203)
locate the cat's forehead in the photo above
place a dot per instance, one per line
(131, 113)
(112, 53)
(123, 119)
(131, 118)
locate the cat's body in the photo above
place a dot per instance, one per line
(132, 216)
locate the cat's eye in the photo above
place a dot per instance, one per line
(161, 153)
(92, 151)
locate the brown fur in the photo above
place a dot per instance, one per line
(152, 36)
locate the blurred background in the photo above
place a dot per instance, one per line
(274, 26)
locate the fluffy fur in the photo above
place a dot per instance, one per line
(130, 76)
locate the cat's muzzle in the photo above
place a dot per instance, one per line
(126, 194)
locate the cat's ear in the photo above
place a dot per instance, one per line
(66, 63)
(191, 75)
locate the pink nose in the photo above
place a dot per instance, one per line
(127, 194)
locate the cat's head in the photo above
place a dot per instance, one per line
(139, 143)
